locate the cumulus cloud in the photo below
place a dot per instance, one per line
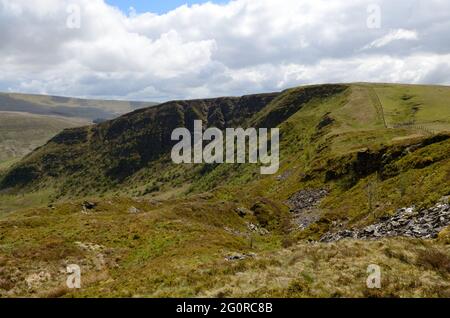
(206, 50)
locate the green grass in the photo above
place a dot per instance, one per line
(178, 249)
(4, 165)
(176, 245)
(13, 202)
(21, 133)
(187, 232)
(422, 105)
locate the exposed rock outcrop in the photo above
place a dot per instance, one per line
(408, 222)
(303, 205)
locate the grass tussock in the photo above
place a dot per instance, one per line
(434, 259)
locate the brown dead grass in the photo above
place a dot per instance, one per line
(434, 259)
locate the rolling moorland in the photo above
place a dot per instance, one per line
(21, 133)
(28, 121)
(90, 109)
(364, 179)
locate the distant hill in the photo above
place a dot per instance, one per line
(28, 121)
(21, 133)
(90, 109)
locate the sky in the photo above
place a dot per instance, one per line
(167, 50)
(155, 6)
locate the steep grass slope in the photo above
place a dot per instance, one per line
(135, 146)
(225, 230)
(108, 153)
(333, 136)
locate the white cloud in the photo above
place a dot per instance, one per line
(393, 35)
(208, 50)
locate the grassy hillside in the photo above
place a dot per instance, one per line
(159, 229)
(90, 109)
(105, 156)
(426, 106)
(21, 133)
(185, 248)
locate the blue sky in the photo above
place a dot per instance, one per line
(155, 6)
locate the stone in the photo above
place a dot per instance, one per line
(239, 257)
(254, 228)
(133, 210)
(303, 204)
(305, 199)
(242, 212)
(426, 223)
(87, 205)
(409, 210)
